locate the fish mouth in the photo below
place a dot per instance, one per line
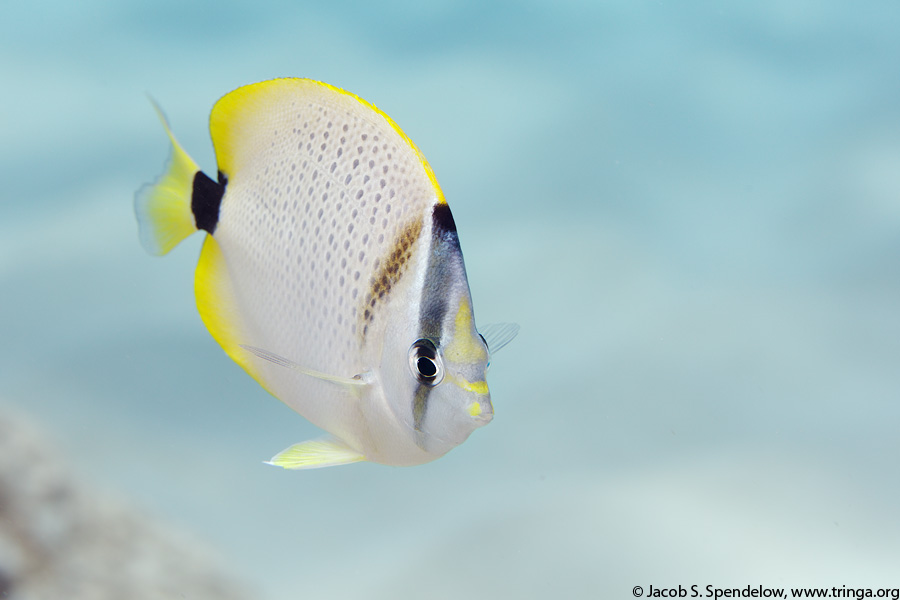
(484, 420)
(486, 415)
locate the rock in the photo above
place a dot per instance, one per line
(59, 538)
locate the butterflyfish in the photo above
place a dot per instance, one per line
(331, 271)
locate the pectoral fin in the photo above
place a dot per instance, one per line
(498, 335)
(315, 454)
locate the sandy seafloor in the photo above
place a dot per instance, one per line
(692, 209)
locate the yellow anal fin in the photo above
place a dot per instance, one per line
(163, 208)
(217, 305)
(315, 454)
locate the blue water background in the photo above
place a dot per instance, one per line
(691, 208)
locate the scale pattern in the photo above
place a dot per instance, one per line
(322, 223)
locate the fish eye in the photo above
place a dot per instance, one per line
(426, 367)
(425, 362)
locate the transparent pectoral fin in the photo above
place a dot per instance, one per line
(315, 454)
(289, 364)
(498, 335)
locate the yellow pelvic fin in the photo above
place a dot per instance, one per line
(315, 454)
(163, 208)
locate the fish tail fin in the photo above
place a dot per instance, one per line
(165, 209)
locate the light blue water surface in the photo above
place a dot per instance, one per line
(692, 209)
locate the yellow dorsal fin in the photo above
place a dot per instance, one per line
(239, 121)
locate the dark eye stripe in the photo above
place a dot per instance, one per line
(420, 403)
(445, 266)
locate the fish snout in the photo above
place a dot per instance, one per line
(482, 410)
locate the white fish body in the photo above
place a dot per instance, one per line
(332, 272)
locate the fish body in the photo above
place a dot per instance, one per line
(331, 272)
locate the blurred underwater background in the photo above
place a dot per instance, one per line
(692, 209)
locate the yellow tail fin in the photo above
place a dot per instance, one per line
(163, 208)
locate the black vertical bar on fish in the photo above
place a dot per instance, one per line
(444, 261)
(206, 198)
